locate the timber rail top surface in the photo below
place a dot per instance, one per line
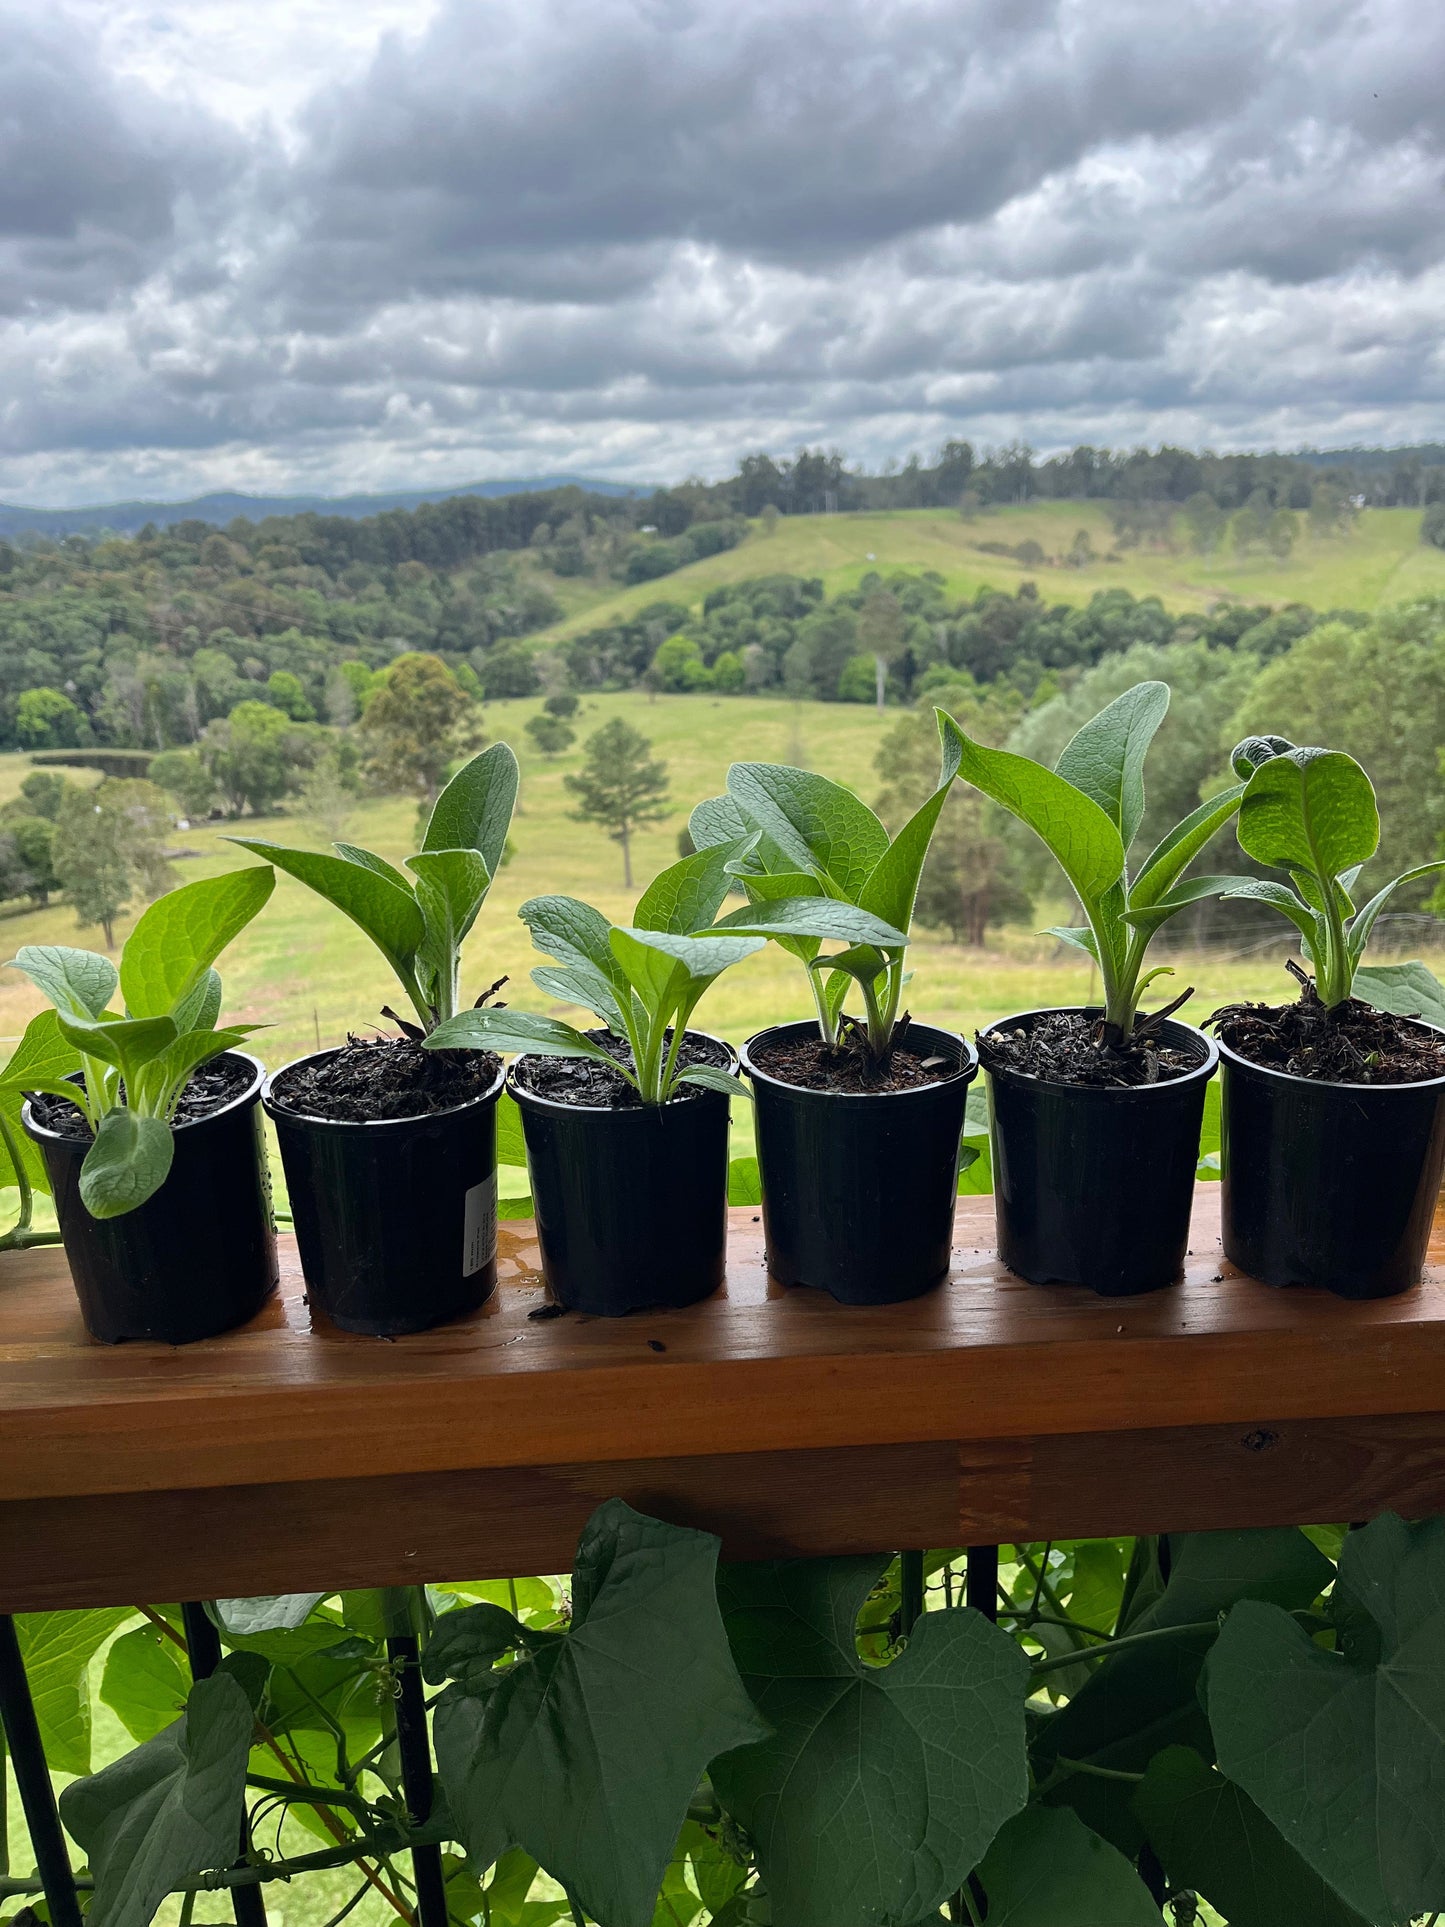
(756, 1368)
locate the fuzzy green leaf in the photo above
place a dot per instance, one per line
(201, 1005)
(1345, 1751)
(1084, 840)
(1173, 854)
(1211, 1838)
(881, 1786)
(170, 1069)
(170, 1809)
(587, 1751)
(388, 912)
(892, 888)
(1405, 989)
(687, 896)
(717, 820)
(128, 1162)
(1279, 897)
(1192, 890)
(573, 932)
(474, 811)
(181, 935)
(1046, 1869)
(712, 1077)
(514, 1031)
(702, 958)
(1360, 928)
(1105, 759)
(42, 1060)
(78, 982)
(1312, 810)
(816, 823)
(130, 1043)
(580, 983)
(822, 917)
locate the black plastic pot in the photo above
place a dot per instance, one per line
(1095, 1187)
(197, 1258)
(1329, 1184)
(631, 1204)
(396, 1220)
(859, 1191)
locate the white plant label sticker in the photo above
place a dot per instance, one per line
(479, 1225)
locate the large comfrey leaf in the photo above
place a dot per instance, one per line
(816, 823)
(509, 1031)
(1192, 890)
(387, 911)
(179, 937)
(881, 1787)
(128, 1162)
(1312, 810)
(815, 916)
(1173, 853)
(581, 984)
(1139, 1700)
(170, 1809)
(1046, 1869)
(1404, 989)
(701, 958)
(892, 887)
(717, 820)
(79, 983)
(1212, 1839)
(587, 1749)
(1345, 1751)
(573, 932)
(129, 1043)
(686, 896)
(1082, 837)
(57, 1649)
(1105, 759)
(474, 811)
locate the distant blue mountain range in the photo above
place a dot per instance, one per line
(126, 517)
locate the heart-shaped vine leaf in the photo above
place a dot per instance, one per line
(586, 1750)
(57, 1649)
(1046, 1869)
(881, 1787)
(170, 1809)
(1211, 1838)
(1345, 1751)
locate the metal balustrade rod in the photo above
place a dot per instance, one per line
(414, 1748)
(981, 1580)
(203, 1645)
(32, 1777)
(911, 1584)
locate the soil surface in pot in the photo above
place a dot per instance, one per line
(1352, 1044)
(374, 1080)
(808, 1062)
(210, 1089)
(1066, 1047)
(577, 1080)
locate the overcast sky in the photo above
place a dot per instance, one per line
(346, 244)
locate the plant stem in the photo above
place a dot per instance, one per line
(20, 1237)
(1061, 1661)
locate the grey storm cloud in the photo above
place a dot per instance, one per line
(644, 235)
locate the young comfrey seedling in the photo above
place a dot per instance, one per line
(418, 923)
(643, 980)
(136, 1063)
(1087, 811)
(817, 864)
(1312, 812)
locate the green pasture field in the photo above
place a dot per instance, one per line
(1381, 560)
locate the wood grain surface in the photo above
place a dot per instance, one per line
(284, 1457)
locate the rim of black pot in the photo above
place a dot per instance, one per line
(287, 1114)
(257, 1084)
(1231, 1056)
(970, 1062)
(1007, 1074)
(523, 1096)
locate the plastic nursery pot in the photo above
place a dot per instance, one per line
(631, 1204)
(396, 1220)
(198, 1257)
(859, 1190)
(1329, 1184)
(1095, 1187)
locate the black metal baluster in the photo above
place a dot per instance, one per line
(414, 1749)
(981, 1581)
(32, 1777)
(203, 1644)
(910, 1565)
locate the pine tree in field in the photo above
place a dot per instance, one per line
(619, 787)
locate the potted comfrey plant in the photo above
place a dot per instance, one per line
(389, 1149)
(626, 1124)
(147, 1118)
(1095, 1114)
(1333, 1109)
(858, 1117)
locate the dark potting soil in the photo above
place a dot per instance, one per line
(374, 1079)
(809, 1063)
(1352, 1044)
(1068, 1047)
(578, 1080)
(211, 1089)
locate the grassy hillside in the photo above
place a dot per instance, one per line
(1382, 560)
(306, 972)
